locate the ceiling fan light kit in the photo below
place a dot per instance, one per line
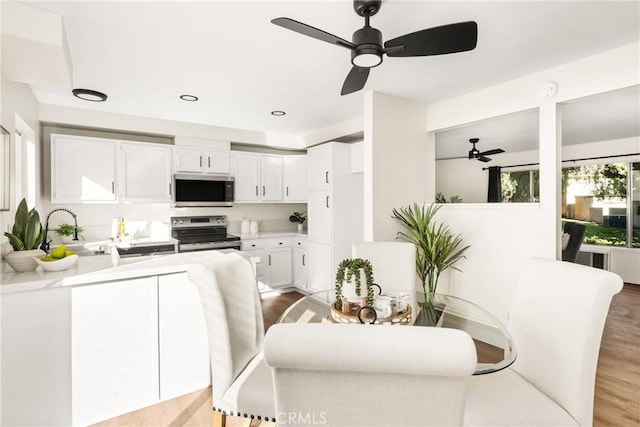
(474, 153)
(367, 47)
(89, 95)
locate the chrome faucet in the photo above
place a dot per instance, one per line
(45, 244)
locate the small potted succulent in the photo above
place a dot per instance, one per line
(354, 281)
(65, 231)
(25, 237)
(298, 217)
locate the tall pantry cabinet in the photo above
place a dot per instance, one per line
(335, 211)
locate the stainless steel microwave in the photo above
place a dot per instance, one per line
(202, 190)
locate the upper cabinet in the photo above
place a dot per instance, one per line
(82, 169)
(85, 169)
(205, 161)
(144, 172)
(269, 177)
(320, 169)
(295, 178)
(202, 155)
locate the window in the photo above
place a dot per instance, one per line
(605, 198)
(521, 186)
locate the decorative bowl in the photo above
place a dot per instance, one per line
(58, 265)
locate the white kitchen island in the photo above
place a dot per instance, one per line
(95, 341)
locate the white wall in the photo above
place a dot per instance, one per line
(16, 100)
(398, 161)
(502, 237)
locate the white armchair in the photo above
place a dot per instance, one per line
(242, 383)
(556, 321)
(355, 375)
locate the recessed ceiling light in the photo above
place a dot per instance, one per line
(278, 113)
(189, 98)
(89, 95)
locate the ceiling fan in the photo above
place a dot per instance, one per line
(367, 47)
(474, 153)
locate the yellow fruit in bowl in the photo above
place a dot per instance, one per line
(59, 252)
(47, 258)
(69, 252)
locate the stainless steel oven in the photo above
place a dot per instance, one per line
(201, 233)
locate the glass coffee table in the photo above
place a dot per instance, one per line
(494, 345)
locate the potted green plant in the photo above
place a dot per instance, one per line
(351, 275)
(65, 231)
(298, 217)
(437, 247)
(25, 238)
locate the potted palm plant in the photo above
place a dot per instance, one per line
(298, 217)
(437, 248)
(25, 238)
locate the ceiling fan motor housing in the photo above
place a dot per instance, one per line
(366, 7)
(368, 41)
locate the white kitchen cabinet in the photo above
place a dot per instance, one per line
(296, 179)
(300, 267)
(205, 161)
(321, 167)
(144, 172)
(357, 157)
(83, 169)
(114, 339)
(246, 171)
(183, 340)
(275, 266)
(335, 211)
(271, 177)
(258, 177)
(320, 267)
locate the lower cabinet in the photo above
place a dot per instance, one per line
(135, 343)
(114, 349)
(183, 340)
(274, 270)
(300, 263)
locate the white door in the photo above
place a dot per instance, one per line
(321, 274)
(279, 267)
(83, 170)
(300, 268)
(247, 177)
(184, 346)
(114, 342)
(188, 160)
(145, 172)
(320, 167)
(296, 179)
(319, 213)
(271, 174)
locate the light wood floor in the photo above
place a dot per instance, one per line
(617, 396)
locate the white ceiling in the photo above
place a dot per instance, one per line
(145, 54)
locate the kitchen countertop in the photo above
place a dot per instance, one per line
(268, 234)
(100, 268)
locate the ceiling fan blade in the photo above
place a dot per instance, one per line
(310, 31)
(490, 152)
(484, 159)
(355, 80)
(451, 38)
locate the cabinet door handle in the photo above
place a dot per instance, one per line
(287, 191)
(169, 188)
(209, 161)
(304, 262)
(113, 187)
(269, 259)
(327, 202)
(279, 243)
(326, 177)
(263, 190)
(200, 161)
(256, 191)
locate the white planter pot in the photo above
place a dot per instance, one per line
(22, 261)
(349, 288)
